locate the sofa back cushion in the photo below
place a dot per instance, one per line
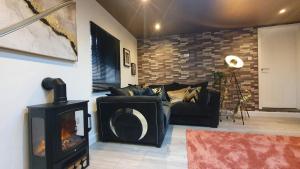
(132, 90)
(119, 91)
(159, 90)
(175, 86)
(203, 97)
(200, 84)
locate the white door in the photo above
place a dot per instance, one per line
(278, 66)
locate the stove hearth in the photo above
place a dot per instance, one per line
(58, 131)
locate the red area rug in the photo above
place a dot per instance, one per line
(228, 150)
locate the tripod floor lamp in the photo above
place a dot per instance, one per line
(235, 63)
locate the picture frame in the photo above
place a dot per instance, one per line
(133, 69)
(126, 57)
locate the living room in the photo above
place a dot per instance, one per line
(125, 84)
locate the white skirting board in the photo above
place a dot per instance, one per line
(274, 114)
(93, 138)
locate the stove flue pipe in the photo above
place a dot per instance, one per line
(59, 88)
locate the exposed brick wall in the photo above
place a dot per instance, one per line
(192, 58)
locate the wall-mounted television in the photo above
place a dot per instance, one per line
(105, 59)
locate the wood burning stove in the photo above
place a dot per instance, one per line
(58, 132)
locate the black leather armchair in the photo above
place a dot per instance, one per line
(133, 119)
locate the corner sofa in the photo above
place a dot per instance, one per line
(204, 113)
(141, 119)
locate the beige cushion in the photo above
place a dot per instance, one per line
(192, 95)
(178, 95)
(131, 93)
(157, 90)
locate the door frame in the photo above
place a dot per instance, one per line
(260, 100)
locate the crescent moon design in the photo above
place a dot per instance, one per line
(112, 128)
(142, 119)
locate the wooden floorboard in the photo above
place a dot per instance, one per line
(172, 154)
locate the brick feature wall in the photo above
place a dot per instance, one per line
(192, 58)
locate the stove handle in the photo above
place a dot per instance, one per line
(90, 122)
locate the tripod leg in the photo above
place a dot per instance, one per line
(233, 117)
(240, 96)
(237, 83)
(245, 108)
(242, 112)
(242, 115)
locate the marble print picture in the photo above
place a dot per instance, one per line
(54, 35)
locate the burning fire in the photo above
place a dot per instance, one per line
(68, 136)
(41, 148)
(65, 134)
(66, 140)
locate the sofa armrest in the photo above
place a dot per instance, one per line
(148, 106)
(213, 106)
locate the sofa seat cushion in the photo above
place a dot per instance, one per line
(188, 109)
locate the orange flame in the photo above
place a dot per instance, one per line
(65, 134)
(41, 148)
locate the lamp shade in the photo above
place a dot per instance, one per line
(234, 61)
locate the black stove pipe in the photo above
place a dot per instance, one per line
(59, 87)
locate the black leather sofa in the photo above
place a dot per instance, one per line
(123, 118)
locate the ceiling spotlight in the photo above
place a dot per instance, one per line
(144, 1)
(157, 26)
(282, 11)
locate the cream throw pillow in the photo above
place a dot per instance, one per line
(192, 95)
(178, 95)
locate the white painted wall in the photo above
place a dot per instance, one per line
(278, 53)
(20, 78)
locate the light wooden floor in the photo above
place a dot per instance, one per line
(172, 155)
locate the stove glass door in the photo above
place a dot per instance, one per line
(71, 129)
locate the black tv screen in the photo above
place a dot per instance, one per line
(105, 59)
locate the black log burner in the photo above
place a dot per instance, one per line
(58, 132)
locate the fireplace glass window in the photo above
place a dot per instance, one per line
(72, 129)
(38, 136)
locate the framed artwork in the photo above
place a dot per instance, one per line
(54, 35)
(126, 57)
(133, 69)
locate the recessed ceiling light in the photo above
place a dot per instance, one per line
(144, 1)
(157, 26)
(282, 11)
